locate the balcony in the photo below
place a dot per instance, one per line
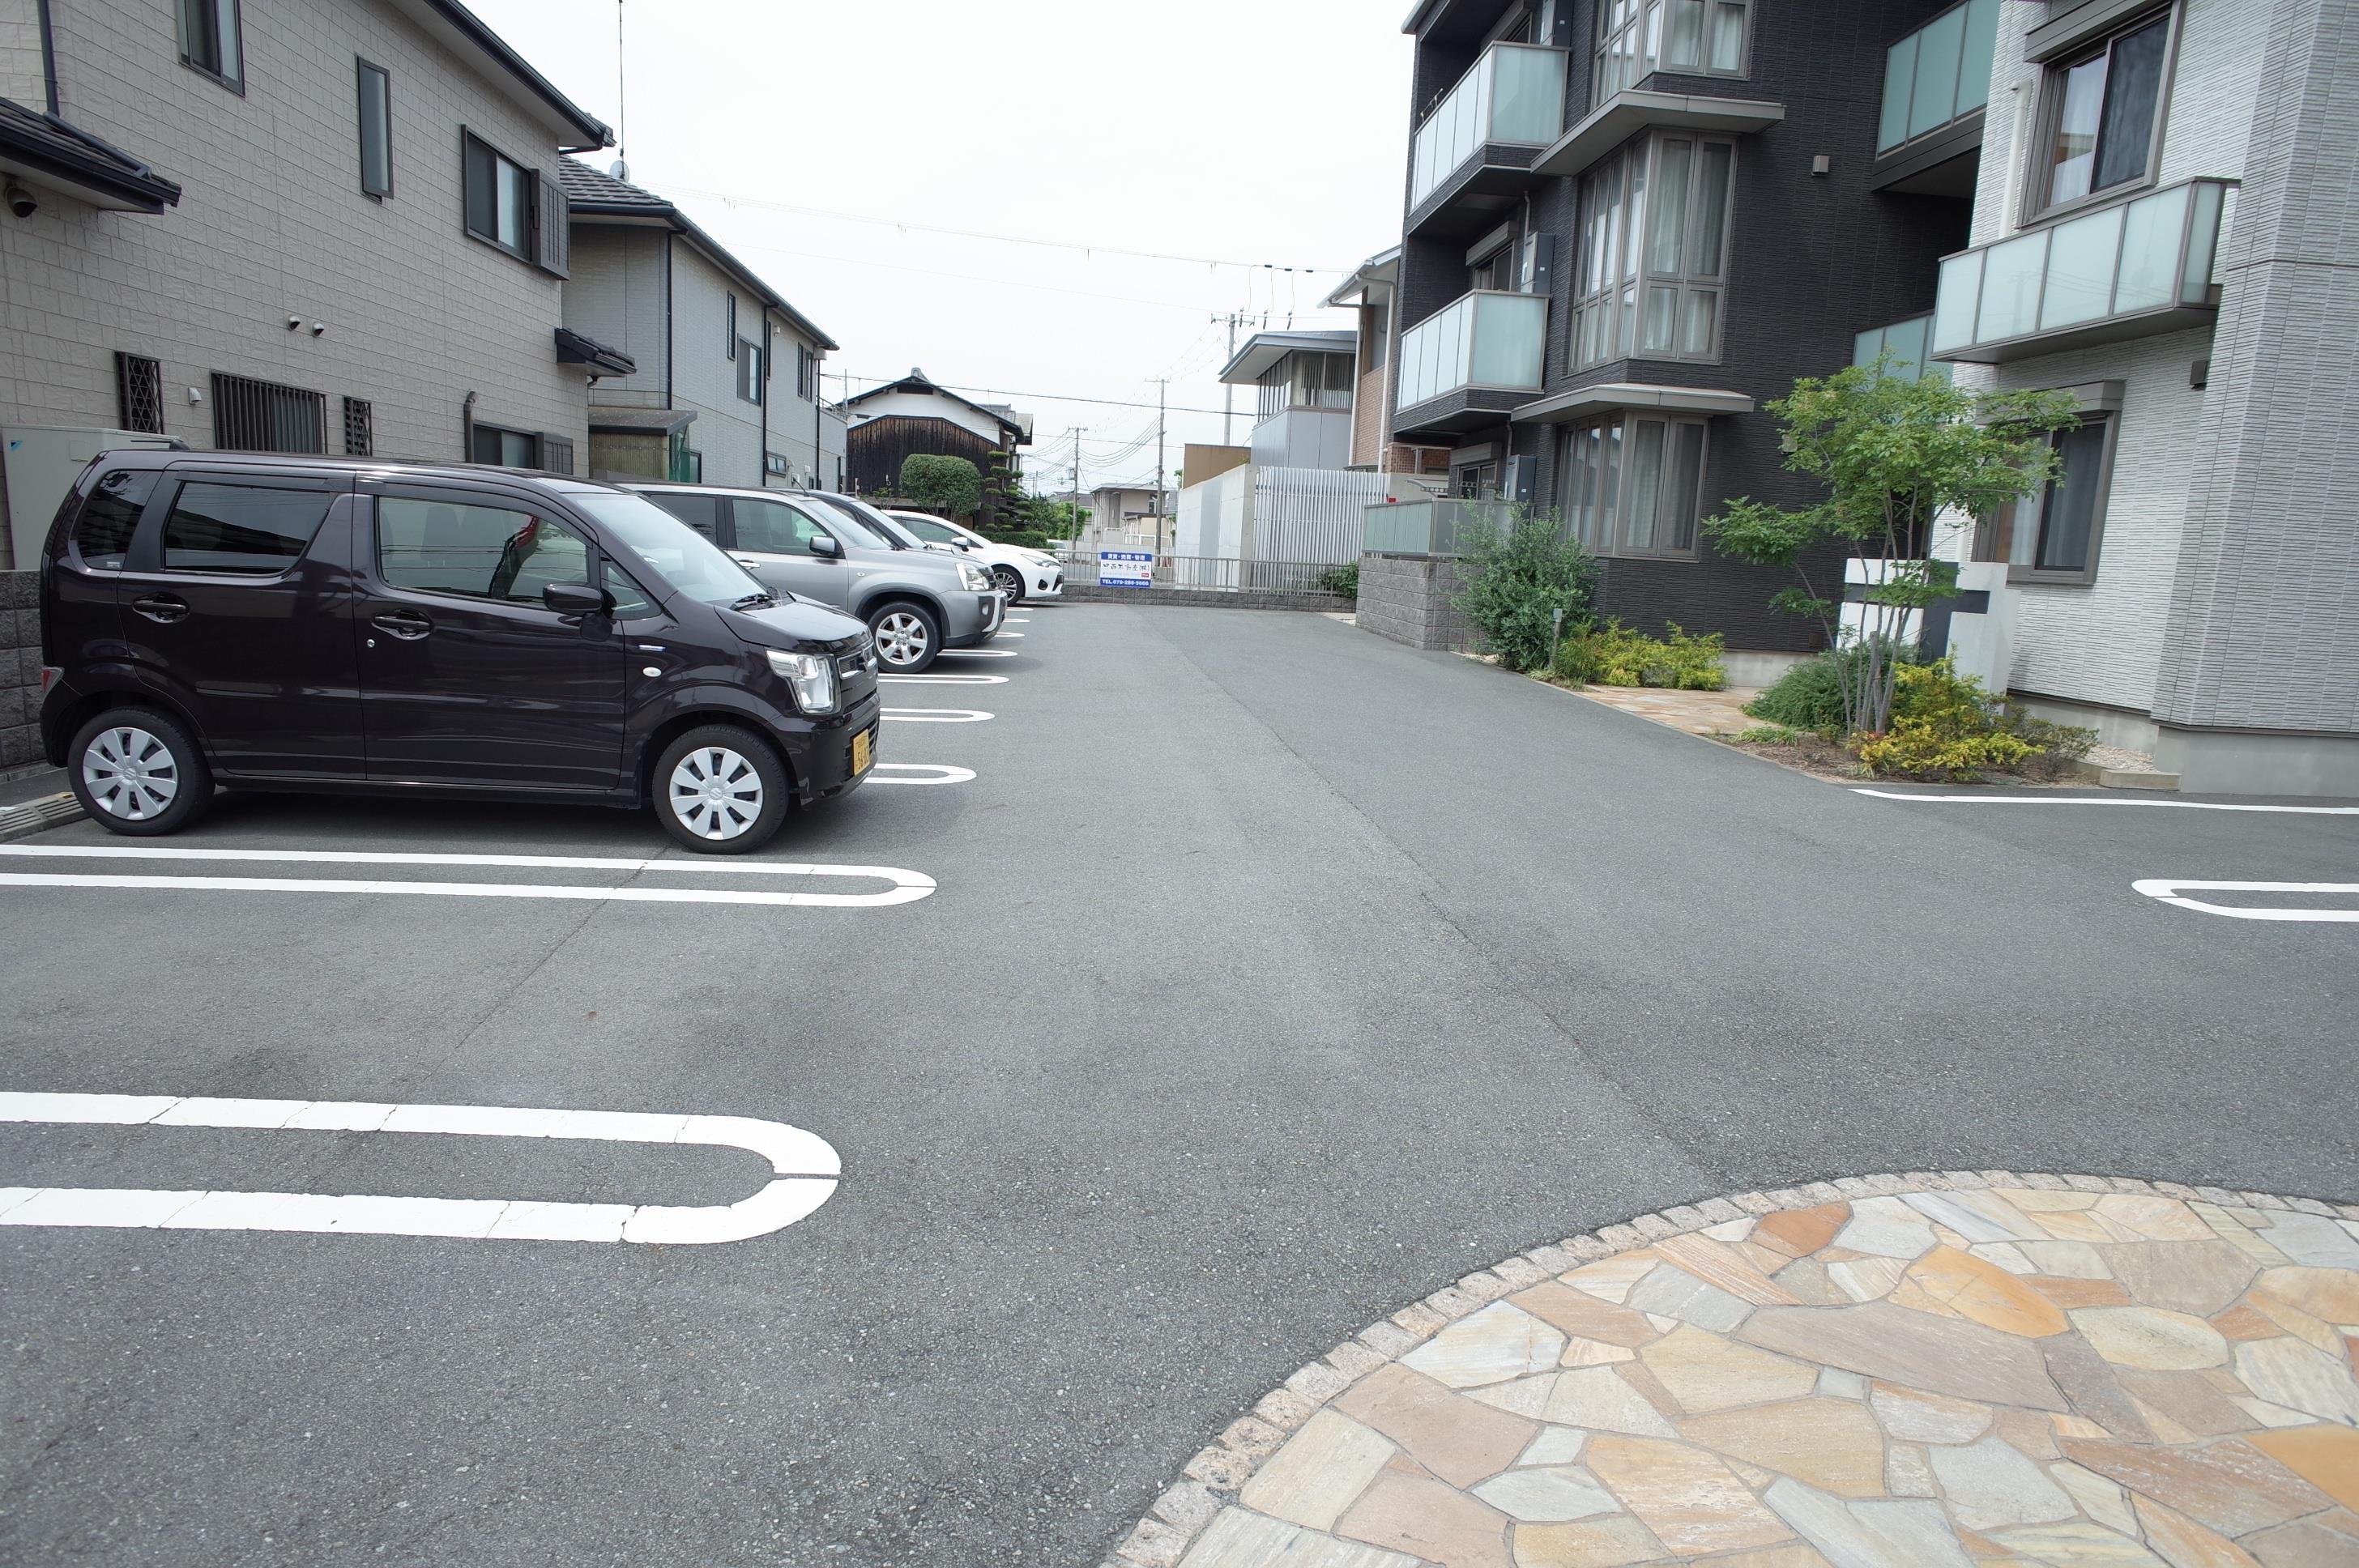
(1928, 135)
(1471, 362)
(1905, 340)
(2130, 270)
(1434, 527)
(1633, 110)
(1473, 153)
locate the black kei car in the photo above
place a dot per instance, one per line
(304, 623)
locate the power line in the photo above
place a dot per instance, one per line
(1043, 397)
(728, 200)
(971, 277)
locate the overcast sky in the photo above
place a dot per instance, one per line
(1258, 131)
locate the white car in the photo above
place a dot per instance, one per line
(1020, 574)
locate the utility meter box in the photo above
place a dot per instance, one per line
(40, 463)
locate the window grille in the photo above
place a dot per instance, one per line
(251, 415)
(139, 392)
(557, 454)
(360, 429)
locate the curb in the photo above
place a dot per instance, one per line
(1211, 1481)
(39, 816)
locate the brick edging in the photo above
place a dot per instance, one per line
(1211, 1481)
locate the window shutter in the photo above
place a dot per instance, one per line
(556, 243)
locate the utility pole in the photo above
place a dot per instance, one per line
(1077, 462)
(1162, 389)
(1228, 393)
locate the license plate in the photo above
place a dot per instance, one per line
(862, 748)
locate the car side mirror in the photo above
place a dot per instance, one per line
(826, 545)
(575, 599)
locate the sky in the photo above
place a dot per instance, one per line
(810, 138)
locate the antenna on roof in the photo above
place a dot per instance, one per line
(620, 170)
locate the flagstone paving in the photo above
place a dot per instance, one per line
(1970, 1371)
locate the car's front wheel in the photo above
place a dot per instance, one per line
(139, 772)
(907, 635)
(721, 790)
(1009, 581)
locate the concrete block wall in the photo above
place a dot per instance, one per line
(1407, 599)
(20, 668)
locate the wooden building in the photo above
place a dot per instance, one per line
(914, 416)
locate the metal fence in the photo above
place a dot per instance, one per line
(1220, 574)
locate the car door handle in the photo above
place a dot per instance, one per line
(748, 562)
(164, 606)
(407, 625)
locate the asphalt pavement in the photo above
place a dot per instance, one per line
(1274, 975)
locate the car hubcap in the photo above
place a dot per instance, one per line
(901, 638)
(1009, 583)
(716, 793)
(130, 774)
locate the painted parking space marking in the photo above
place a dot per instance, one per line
(948, 680)
(938, 715)
(918, 774)
(2167, 890)
(976, 654)
(1018, 621)
(805, 1172)
(906, 886)
(1018, 635)
(2096, 800)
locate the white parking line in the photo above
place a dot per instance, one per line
(1008, 634)
(940, 773)
(2169, 891)
(948, 680)
(938, 715)
(976, 654)
(1018, 621)
(807, 1170)
(2094, 800)
(907, 886)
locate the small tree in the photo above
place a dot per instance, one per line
(1896, 454)
(1517, 579)
(952, 486)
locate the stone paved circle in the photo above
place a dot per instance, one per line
(1962, 1371)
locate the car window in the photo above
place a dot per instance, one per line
(773, 528)
(630, 601)
(101, 535)
(247, 529)
(926, 528)
(651, 537)
(483, 552)
(701, 512)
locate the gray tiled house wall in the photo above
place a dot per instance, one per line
(615, 297)
(794, 419)
(728, 429)
(272, 224)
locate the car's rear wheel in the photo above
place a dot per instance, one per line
(1009, 581)
(907, 635)
(139, 772)
(721, 790)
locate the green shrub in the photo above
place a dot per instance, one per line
(2059, 746)
(1923, 749)
(1613, 655)
(952, 486)
(1516, 580)
(1811, 695)
(1343, 580)
(1773, 735)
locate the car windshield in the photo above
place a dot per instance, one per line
(894, 537)
(669, 548)
(856, 529)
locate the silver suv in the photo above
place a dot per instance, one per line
(917, 602)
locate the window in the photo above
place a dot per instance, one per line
(1497, 270)
(2053, 536)
(1654, 245)
(1379, 336)
(728, 339)
(557, 454)
(251, 415)
(212, 41)
(101, 534)
(2100, 116)
(1693, 37)
(139, 392)
(376, 129)
(924, 528)
(360, 429)
(806, 373)
(775, 528)
(775, 464)
(1633, 484)
(749, 370)
(625, 600)
(250, 530)
(701, 512)
(481, 552)
(505, 449)
(500, 199)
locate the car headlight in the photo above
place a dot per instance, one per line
(812, 676)
(973, 576)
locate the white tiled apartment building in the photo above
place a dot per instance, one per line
(325, 225)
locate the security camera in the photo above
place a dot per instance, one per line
(21, 201)
(318, 328)
(293, 322)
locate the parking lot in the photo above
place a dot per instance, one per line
(1188, 988)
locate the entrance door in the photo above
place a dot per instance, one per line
(467, 677)
(772, 542)
(236, 603)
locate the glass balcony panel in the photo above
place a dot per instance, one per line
(1959, 300)
(2202, 243)
(1934, 98)
(1899, 75)
(1981, 48)
(1485, 340)
(2150, 244)
(1515, 94)
(2081, 258)
(1906, 341)
(2011, 287)
(1526, 96)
